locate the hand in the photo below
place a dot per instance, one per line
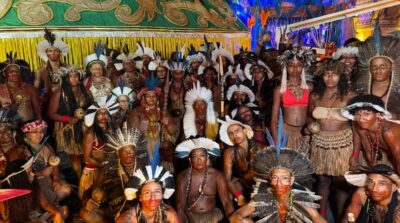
(72, 120)
(56, 185)
(91, 205)
(241, 200)
(57, 218)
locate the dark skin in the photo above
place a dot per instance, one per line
(381, 190)
(31, 109)
(294, 115)
(366, 126)
(281, 181)
(216, 184)
(237, 135)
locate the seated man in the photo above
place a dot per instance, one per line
(378, 136)
(377, 198)
(199, 185)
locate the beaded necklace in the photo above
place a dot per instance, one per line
(376, 154)
(201, 188)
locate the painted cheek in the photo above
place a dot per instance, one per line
(281, 189)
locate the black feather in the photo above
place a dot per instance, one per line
(49, 36)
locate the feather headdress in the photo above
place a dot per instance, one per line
(151, 172)
(50, 41)
(219, 50)
(123, 90)
(223, 130)
(358, 177)
(144, 51)
(193, 95)
(108, 103)
(151, 84)
(9, 118)
(126, 55)
(184, 148)
(240, 88)
(194, 56)
(178, 62)
(306, 56)
(253, 107)
(158, 61)
(126, 137)
(97, 56)
(238, 72)
(250, 67)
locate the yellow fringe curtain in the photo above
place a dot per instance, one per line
(80, 47)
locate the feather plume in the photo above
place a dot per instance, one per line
(98, 49)
(152, 82)
(269, 137)
(377, 36)
(156, 158)
(125, 50)
(140, 45)
(49, 36)
(280, 132)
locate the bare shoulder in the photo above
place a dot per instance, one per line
(171, 214)
(128, 216)
(228, 151)
(182, 175)
(351, 94)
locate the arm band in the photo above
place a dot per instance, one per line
(237, 193)
(356, 154)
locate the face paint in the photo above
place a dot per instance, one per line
(281, 181)
(151, 196)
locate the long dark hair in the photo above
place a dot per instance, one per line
(330, 65)
(68, 103)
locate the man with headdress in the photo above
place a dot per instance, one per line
(198, 186)
(132, 77)
(244, 57)
(106, 200)
(125, 98)
(378, 135)
(18, 95)
(377, 198)
(199, 118)
(194, 60)
(378, 72)
(145, 55)
(237, 95)
(293, 96)
(111, 71)
(177, 66)
(221, 53)
(158, 127)
(67, 109)
(239, 157)
(97, 83)
(159, 67)
(50, 51)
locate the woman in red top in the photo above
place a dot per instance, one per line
(292, 95)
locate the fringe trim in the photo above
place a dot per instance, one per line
(212, 216)
(330, 154)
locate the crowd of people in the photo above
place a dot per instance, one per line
(274, 135)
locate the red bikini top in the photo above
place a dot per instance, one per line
(289, 99)
(96, 145)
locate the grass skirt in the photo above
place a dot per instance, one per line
(212, 216)
(66, 142)
(331, 152)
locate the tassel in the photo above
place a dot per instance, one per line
(284, 80)
(303, 80)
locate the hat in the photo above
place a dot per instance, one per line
(194, 56)
(249, 68)
(96, 57)
(358, 177)
(125, 137)
(223, 130)
(50, 41)
(124, 56)
(30, 126)
(184, 148)
(142, 51)
(108, 103)
(178, 62)
(364, 101)
(241, 88)
(219, 50)
(122, 90)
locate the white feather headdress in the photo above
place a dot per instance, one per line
(223, 130)
(125, 137)
(184, 148)
(241, 88)
(50, 41)
(142, 50)
(108, 103)
(219, 50)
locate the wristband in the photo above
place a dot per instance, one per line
(356, 154)
(64, 118)
(237, 193)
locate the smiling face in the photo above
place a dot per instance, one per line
(53, 53)
(349, 60)
(150, 196)
(381, 69)
(6, 134)
(366, 118)
(380, 188)
(129, 65)
(97, 69)
(281, 181)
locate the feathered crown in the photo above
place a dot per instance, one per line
(9, 118)
(158, 61)
(240, 88)
(125, 137)
(50, 41)
(184, 148)
(126, 54)
(151, 83)
(194, 94)
(249, 69)
(219, 50)
(123, 90)
(208, 48)
(151, 172)
(194, 55)
(142, 50)
(11, 60)
(177, 62)
(109, 52)
(108, 103)
(97, 57)
(238, 72)
(278, 156)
